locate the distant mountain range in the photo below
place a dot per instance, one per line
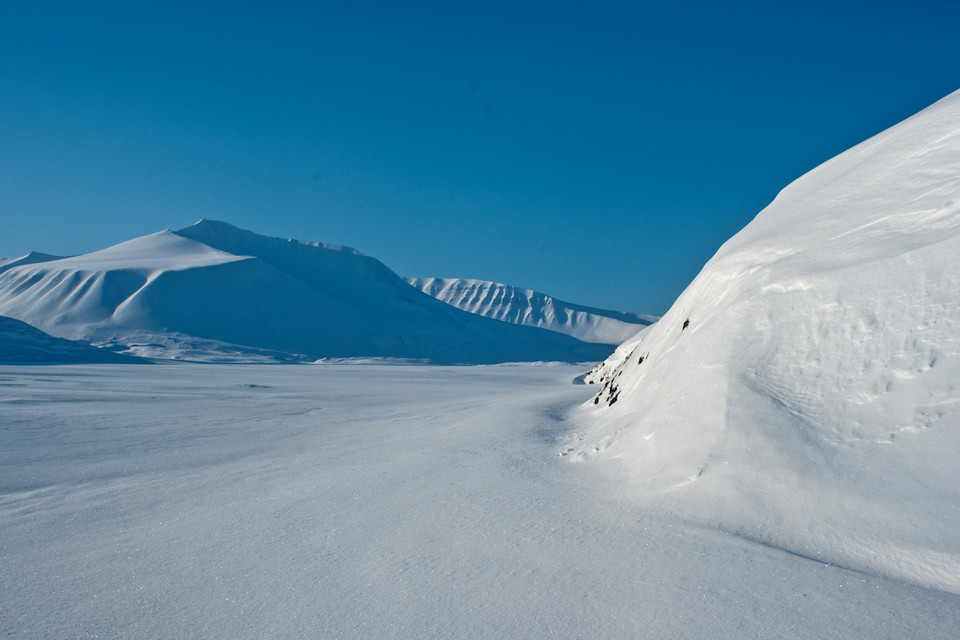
(534, 309)
(213, 291)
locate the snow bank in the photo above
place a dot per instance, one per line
(803, 391)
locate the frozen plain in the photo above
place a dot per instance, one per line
(362, 501)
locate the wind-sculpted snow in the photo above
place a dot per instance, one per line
(214, 292)
(803, 391)
(31, 258)
(534, 309)
(94, 295)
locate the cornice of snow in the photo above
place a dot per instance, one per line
(227, 234)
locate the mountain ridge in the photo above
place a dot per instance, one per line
(527, 307)
(213, 285)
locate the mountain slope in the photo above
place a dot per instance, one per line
(533, 309)
(803, 390)
(22, 344)
(217, 288)
(90, 296)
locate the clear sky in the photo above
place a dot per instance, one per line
(600, 152)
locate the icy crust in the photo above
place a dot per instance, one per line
(534, 309)
(803, 391)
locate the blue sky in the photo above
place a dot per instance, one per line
(600, 152)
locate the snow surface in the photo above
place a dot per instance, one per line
(534, 309)
(213, 292)
(804, 391)
(210, 501)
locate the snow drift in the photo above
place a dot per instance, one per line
(804, 391)
(534, 309)
(213, 290)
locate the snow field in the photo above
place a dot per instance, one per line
(339, 501)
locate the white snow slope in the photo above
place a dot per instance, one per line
(213, 291)
(813, 400)
(534, 309)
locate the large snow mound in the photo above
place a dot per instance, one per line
(534, 309)
(214, 292)
(804, 390)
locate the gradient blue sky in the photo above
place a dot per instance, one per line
(600, 152)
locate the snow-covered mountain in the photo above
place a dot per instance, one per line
(213, 291)
(22, 344)
(534, 309)
(804, 391)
